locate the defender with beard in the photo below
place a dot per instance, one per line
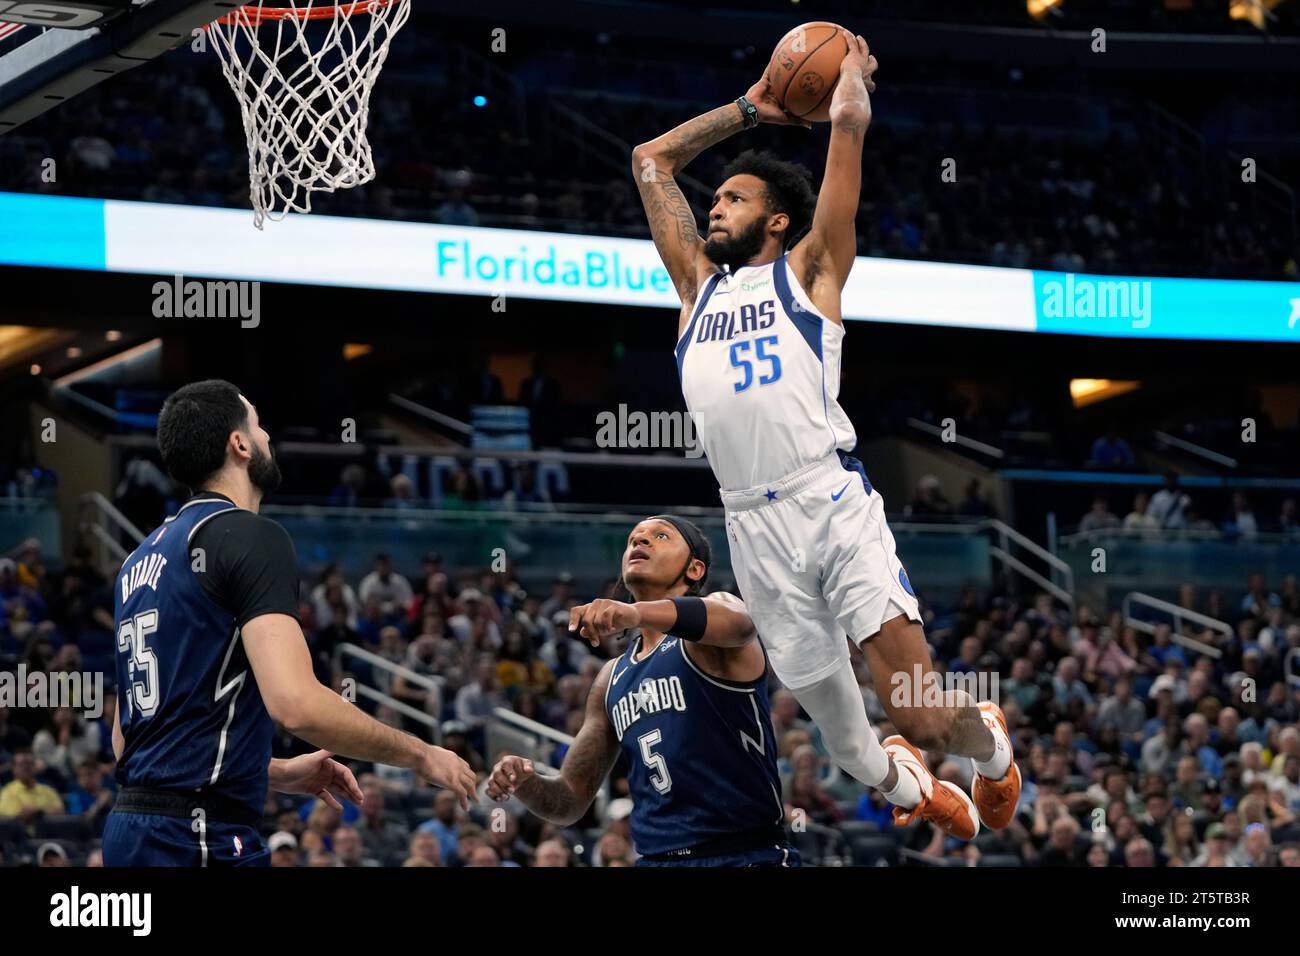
(210, 652)
(686, 704)
(758, 352)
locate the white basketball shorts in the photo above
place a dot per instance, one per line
(815, 560)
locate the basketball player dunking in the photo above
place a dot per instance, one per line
(687, 705)
(758, 352)
(210, 651)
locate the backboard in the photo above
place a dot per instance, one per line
(51, 50)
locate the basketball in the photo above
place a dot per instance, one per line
(805, 67)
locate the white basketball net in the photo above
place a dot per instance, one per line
(303, 71)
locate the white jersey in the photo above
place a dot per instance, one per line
(760, 371)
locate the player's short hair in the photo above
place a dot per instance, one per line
(789, 187)
(193, 427)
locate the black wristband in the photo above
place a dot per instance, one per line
(692, 618)
(748, 111)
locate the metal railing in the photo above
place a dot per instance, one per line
(977, 446)
(1007, 536)
(103, 523)
(1164, 439)
(510, 728)
(1179, 614)
(433, 684)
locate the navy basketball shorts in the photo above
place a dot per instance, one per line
(762, 856)
(144, 839)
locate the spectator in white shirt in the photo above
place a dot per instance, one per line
(1138, 521)
(388, 587)
(1168, 504)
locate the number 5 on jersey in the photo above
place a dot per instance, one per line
(654, 762)
(740, 359)
(143, 694)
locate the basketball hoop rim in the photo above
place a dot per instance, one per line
(255, 15)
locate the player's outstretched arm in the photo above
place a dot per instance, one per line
(729, 624)
(830, 246)
(306, 708)
(562, 799)
(672, 222)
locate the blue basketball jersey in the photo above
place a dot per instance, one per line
(701, 749)
(192, 715)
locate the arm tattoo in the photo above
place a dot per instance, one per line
(563, 799)
(693, 137)
(672, 222)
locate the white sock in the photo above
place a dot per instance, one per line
(996, 767)
(907, 792)
(835, 705)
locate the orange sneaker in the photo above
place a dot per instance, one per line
(996, 800)
(942, 803)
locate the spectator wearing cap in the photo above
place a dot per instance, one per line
(390, 589)
(51, 854)
(1215, 850)
(284, 849)
(24, 797)
(618, 817)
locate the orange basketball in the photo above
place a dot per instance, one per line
(805, 68)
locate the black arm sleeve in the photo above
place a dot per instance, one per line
(251, 566)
